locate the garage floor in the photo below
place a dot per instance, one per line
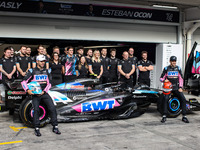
(143, 133)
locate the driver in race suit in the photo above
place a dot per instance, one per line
(42, 76)
(173, 74)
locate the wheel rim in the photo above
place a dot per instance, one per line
(42, 112)
(29, 112)
(174, 105)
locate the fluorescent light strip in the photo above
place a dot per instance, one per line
(163, 6)
(102, 46)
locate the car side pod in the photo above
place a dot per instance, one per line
(194, 105)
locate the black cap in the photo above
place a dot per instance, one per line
(173, 58)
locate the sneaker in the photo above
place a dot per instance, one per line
(56, 131)
(184, 119)
(163, 119)
(37, 132)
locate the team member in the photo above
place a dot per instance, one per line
(173, 74)
(40, 50)
(106, 64)
(23, 63)
(46, 54)
(28, 54)
(56, 49)
(126, 69)
(144, 66)
(96, 66)
(113, 73)
(41, 75)
(80, 52)
(82, 68)
(28, 51)
(69, 63)
(89, 55)
(135, 61)
(56, 69)
(7, 66)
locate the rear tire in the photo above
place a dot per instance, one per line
(173, 106)
(26, 113)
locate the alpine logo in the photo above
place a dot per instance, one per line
(97, 105)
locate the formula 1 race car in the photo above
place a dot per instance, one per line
(87, 99)
(76, 101)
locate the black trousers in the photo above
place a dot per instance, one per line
(144, 81)
(105, 79)
(52, 109)
(126, 82)
(113, 78)
(56, 79)
(134, 78)
(182, 99)
(69, 78)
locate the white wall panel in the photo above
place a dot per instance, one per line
(45, 28)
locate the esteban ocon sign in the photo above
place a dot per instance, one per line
(92, 10)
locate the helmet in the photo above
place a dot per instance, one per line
(35, 87)
(167, 88)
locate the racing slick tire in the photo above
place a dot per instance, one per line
(173, 106)
(26, 113)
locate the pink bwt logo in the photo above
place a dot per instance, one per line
(97, 105)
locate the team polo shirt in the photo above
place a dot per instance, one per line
(7, 64)
(113, 66)
(134, 60)
(126, 65)
(70, 65)
(144, 74)
(83, 72)
(23, 62)
(96, 66)
(106, 62)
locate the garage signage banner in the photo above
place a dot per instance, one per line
(95, 10)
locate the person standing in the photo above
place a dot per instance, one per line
(34, 75)
(113, 73)
(40, 50)
(69, 63)
(135, 61)
(7, 66)
(173, 74)
(126, 69)
(28, 54)
(56, 69)
(96, 66)
(144, 66)
(106, 64)
(80, 52)
(23, 63)
(89, 55)
(82, 68)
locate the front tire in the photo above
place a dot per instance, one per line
(26, 113)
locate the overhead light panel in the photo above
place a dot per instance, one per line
(165, 6)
